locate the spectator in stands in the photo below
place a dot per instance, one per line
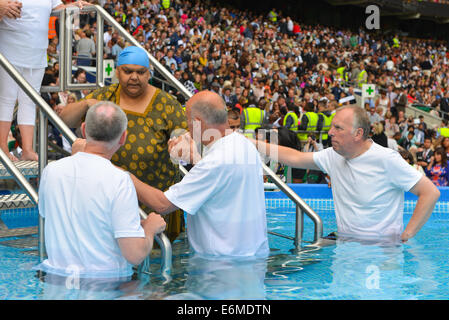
(379, 136)
(312, 145)
(401, 101)
(85, 49)
(425, 153)
(92, 220)
(445, 144)
(382, 211)
(437, 170)
(374, 117)
(407, 156)
(24, 43)
(152, 116)
(234, 120)
(391, 127)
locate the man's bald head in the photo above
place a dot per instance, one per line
(209, 107)
(105, 122)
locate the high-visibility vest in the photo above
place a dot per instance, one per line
(253, 119)
(443, 132)
(395, 43)
(52, 27)
(166, 4)
(293, 115)
(273, 16)
(360, 78)
(326, 125)
(344, 75)
(311, 124)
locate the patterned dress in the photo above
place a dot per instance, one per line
(145, 153)
(439, 175)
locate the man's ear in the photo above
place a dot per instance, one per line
(83, 130)
(123, 138)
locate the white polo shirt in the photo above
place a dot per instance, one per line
(224, 197)
(87, 204)
(368, 190)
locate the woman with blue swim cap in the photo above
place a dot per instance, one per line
(152, 115)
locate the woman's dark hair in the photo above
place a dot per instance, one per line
(443, 154)
(406, 155)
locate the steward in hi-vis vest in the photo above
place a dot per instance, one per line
(309, 121)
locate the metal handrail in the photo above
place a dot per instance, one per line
(301, 207)
(46, 112)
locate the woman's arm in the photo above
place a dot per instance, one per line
(80, 4)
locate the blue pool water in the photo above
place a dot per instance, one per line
(418, 269)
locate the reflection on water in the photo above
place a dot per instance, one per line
(349, 269)
(222, 279)
(67, 288)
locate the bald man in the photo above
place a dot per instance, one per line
(368, 180)
(223, 193)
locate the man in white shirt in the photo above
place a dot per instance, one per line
(223, 193)
(92, 222)
(368, 181)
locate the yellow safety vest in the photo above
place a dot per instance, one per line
(360, 79)
(294, 126)
(395, 43)
(444, 132)
(253, 119)
(341, 71)
(326, 125)
(166, 4)
(311, 124)
(273, 16)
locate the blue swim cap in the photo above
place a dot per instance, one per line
(133, 55)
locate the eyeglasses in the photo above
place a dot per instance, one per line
(234, 127)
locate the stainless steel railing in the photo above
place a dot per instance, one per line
(301, 208)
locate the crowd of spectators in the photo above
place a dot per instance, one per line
(273, 58)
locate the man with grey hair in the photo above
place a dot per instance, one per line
(223, 194)
(368, 180)
(92, 222)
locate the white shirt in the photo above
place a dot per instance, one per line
(368, 190)
(24, 41)
(223, 195)
(87, 204)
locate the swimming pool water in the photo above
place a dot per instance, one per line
(350, 270)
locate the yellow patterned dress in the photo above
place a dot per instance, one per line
(145, 152)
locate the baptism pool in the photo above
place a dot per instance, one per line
(349, 270)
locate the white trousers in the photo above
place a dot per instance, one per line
(10, 92)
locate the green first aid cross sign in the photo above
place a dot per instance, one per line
(368, 91)
(108, 68)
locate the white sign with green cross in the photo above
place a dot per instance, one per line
(368, 91)
(108, 68)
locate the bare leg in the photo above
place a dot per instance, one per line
(5, 126)
(27, 134)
